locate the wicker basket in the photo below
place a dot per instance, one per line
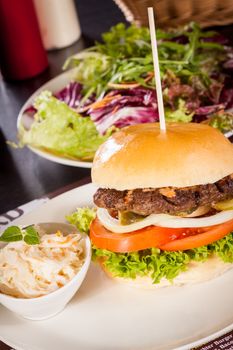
(171, 13)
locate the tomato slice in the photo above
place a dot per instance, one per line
(199, 237)
(148, 237)
(170, 239)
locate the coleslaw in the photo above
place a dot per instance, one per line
(30, 271)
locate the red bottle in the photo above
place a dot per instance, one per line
(22, 54)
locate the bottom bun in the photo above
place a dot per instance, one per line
(197, 272)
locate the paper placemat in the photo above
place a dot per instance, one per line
(7, 218)
(224, 342)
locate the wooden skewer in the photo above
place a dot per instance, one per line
(156, 69)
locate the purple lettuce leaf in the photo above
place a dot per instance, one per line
(227, 97)
(126, 116)
(71, 94)
(228, 64)
(217, 38)
(206, 110)
(131, 106)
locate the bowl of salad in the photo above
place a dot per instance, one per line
(111, 85)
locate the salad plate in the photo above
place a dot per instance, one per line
(111, 85)
(25, 118)
(107, 315)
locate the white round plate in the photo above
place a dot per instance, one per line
(53, 85)
(106, 315)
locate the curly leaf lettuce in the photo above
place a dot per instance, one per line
(162, 264)
(82, 218)
(153, 262)
(222, 121)
(181, 114)
(59, 129)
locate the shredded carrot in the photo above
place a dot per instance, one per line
(107, 99)
(115, 110)
(123, 85)
(130, 84)
(98, 104)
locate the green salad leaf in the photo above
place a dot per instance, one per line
(153, 262)
(82, 218)
(14, 234)
(59, 129)
(125, 55)
(122, 41)
(92, 70)
(181, 114)
(222, 121)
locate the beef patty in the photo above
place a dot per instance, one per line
(171, 200)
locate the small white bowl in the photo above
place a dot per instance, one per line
(49, 305)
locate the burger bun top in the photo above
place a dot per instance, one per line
(143, 156)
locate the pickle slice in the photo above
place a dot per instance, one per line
(224, 205)
(128, 217)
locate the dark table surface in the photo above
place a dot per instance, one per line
(25, 176)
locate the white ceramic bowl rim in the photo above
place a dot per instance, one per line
(61, 289)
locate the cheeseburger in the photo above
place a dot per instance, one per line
(164, 204)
